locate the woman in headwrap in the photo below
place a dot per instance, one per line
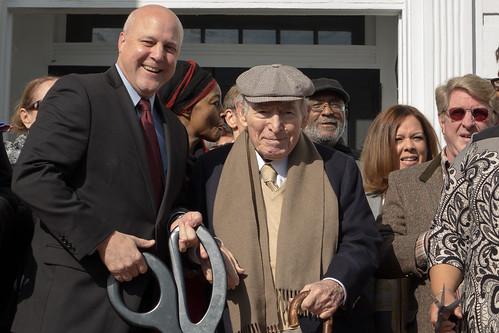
(195, 97)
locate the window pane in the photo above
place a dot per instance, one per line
(297, 37)
(335, 38)
(259, 36)
(223, 36)
(105, 35)
(192, 36)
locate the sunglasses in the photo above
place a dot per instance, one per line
(35, 105)
(495, 83)
(458, 113)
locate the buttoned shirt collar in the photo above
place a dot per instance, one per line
(445, 163)
(280, 166)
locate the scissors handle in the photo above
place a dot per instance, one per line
(164, 316)
(171, 314)
(210, 320)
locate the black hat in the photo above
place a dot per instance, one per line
(325, 84)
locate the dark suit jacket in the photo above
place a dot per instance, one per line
(357, 255)
(410, 205)
(7, 202)
(84, 172)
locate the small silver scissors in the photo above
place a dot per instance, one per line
(167, 315)
(442, 309)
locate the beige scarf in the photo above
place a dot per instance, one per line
(307, 237)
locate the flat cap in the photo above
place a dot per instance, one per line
(326, 84)
(271, 83)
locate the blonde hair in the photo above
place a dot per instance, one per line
(26, 102)
(379, 156)
(474, 85)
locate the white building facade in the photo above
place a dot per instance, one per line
(410, 46)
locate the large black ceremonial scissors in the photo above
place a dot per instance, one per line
(170, 314)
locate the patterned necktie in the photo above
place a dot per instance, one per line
(269, 176)
(152, 148)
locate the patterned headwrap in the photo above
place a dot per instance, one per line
(189, 85)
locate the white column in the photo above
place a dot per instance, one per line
(436, 43)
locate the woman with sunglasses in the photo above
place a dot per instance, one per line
(17, 235)
(25, 113)
(399, 137)
(465, 105)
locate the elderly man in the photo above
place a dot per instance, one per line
(295, 217)
(102, 168)
(328, 115)
(465, 105)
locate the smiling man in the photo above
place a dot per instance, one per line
(102, 168)
(295, 217)
(328, 115)
(466, 105)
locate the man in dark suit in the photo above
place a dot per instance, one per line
(102, 168)
(309, 227)
(7, 202)
(414, 193)
(8, 209)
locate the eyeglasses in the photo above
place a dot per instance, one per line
(495, 83)
(458, 113)
(35, 105)
(320, 106)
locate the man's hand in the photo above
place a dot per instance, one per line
(120, 253)
(324, 299)
(188, 239)
(186, 230)
(231, 266)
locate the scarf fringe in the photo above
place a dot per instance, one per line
(254, 328)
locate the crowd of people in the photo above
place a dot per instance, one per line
(106, 165)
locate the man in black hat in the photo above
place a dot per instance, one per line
(328, 114)
(295, 217)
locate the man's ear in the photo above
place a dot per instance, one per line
(346, 113)
(240, 114)
(230, 118)
(121, 40)
(305, 118)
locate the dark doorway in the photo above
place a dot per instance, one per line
(363, 85)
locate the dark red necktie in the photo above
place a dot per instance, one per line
(152, 147)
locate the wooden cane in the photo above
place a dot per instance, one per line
(294, 307)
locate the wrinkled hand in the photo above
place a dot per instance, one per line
(120, 253)
(447, 326)
(231, 266)
(324, 299)
(186, 230)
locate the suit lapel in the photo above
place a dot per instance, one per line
(175, 164)
(428, 172)
(127, 109)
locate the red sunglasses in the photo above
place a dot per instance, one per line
(458, 113)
